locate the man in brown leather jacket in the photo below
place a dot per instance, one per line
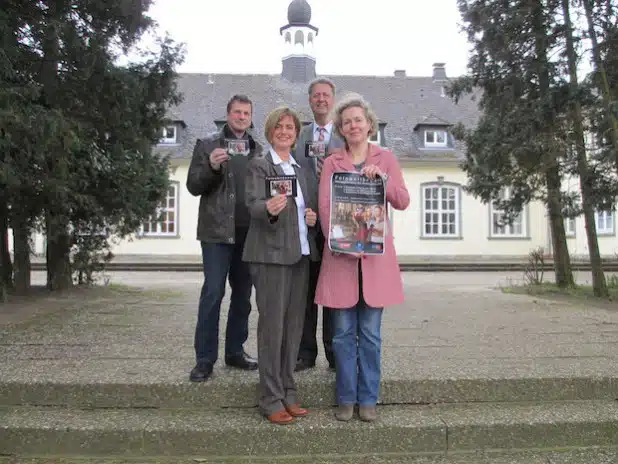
(217, 176)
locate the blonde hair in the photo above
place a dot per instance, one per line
(354, 100)
(273, 119)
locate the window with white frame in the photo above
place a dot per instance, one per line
(169, 135)
(517, 228)
(569, 227)
(375, 138)
(435, 138)
(165, 221)
(605, 222)
(441, 210)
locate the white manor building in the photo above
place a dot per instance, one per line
(442, 221)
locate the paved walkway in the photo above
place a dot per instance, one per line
(453, 325)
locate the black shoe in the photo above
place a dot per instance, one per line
(201, 372)
(242, 361)
(303, 364)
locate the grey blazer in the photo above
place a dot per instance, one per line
(306, 135)
(275, 240)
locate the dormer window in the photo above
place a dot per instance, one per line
(435, 138)
(169, 135)
(378, 137)
(375, 138)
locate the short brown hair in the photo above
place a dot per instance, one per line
(275, 116)
(240, 99)
(321, 80)
(354, 100)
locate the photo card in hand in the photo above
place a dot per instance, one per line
(237, 147)
(281, 185)
(315, 149)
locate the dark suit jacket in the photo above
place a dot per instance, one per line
(306, 135)
(309, 165)
(275, 240)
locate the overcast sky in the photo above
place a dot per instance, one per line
(242, 36)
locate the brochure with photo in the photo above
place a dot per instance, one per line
(357, 214)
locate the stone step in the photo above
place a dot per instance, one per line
(317, 389)
(422, 263)
(591, 455)
(242, 432)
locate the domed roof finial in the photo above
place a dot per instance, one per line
(299, 12)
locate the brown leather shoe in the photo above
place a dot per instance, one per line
(296, 411)
(281, 417)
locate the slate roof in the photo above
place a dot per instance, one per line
(400, 102)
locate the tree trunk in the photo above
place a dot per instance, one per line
(562, 260)
(21, 247)
(58, 243)
(603, 82)
(59, 274)
(599, 285)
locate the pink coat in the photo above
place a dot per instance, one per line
(338, 282)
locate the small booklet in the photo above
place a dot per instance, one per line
(236, 147)
(315, 149)
(281, 185)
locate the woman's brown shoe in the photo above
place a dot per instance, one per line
(281, 417)
(368, 413)
(344, 412)
(295, 410)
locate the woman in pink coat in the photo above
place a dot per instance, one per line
(359, 286)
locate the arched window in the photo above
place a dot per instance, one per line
(288, 37)
(310, 38)
(299, 38)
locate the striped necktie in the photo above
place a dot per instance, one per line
(319, 162)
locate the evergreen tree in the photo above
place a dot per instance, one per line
(586, 177)
(79, 159)
(516, 142)
(602, 31)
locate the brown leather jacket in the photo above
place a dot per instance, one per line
(221, 208)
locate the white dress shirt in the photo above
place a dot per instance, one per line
(327, 134)
(288, 169)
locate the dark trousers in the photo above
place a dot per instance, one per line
(221, 260)
(308, 344)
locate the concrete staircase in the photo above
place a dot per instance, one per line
(470, 376)
(421, 421)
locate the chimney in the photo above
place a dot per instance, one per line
(439, 72)
(400, 73)
(298, 69)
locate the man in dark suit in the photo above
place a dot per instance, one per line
(217, 176)
(321, 100)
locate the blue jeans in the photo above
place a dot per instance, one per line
(219, 260)
(357, 344)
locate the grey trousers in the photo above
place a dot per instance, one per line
(280, 294)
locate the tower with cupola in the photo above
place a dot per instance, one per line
(298, 43)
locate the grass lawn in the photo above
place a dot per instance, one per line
(577, 293)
